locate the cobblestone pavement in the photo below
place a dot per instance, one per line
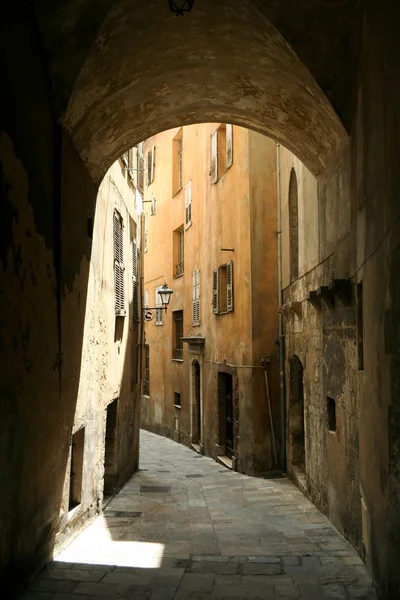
(186, 528)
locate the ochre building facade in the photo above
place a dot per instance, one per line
(210, 233)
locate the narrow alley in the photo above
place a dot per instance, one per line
(184, 527)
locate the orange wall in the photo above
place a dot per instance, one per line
(221, 218)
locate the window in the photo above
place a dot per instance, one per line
(360, 327)
(293, 227)
(179, 251)
(135, 283)
(177, 400)
(119, 265)
(223, 288)
(180, 162)
(221, 151)
(196, 298)
(159, 309)
(177, 162)
(188, 205)
(229, 146)
(140, 167)
(331, 407)
(214, 157)
(150, 166)
(76, 470)
(146, 379)
(177, 350)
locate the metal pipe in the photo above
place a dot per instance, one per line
(141, 293)
(281, 339)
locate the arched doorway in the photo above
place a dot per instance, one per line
(293, 226)
(196, 409)
(296, 414)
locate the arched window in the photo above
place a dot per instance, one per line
(293, 227)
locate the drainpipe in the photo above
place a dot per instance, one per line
(141, 292)
(281, 338)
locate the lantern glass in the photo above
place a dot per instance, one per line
(165, 294)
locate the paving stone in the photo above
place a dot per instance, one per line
(201, 582)
(262, 569)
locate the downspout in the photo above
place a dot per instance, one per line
(281, 338)
(141, 293)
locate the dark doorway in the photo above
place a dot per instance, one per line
(76, 472)
(225, 405)
(196, 407)
(296, 413)
(110, 450)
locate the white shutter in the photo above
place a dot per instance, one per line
(215, 291)
(158, 305)
(153, 205)
(229, 145)
(229, 286)
(125, 158)
(119, 266)
(188, 205)
(214, 157)
(196, 298)
(146, 299)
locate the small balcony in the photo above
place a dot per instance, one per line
(179, 269)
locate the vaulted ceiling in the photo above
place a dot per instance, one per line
(122, 70)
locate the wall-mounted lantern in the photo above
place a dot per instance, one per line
(179, 8)
(165, 294)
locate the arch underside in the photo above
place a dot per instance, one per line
(140, 70)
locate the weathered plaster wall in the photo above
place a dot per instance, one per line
(358, 235)
(107, 367)
(238, 337)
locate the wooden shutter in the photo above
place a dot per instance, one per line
(229, 286)
(152, 164)
(229, 145)
(188, 205)
(135, 283)
(140, 173)
(119, 266)
(214, 157)
(196, 298)
(215, 291)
